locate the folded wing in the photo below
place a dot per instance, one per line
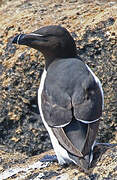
(71, 104)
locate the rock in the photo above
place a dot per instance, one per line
(34, 168)
(94, 28)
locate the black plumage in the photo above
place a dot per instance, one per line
(70, 95)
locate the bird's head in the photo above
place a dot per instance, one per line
(54, 42)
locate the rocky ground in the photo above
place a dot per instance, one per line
(93, 25)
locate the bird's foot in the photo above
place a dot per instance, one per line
(49, 158)
(105, 144)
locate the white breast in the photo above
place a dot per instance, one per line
(99, 84)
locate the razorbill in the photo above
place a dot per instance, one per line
(70, 96)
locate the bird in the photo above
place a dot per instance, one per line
(70, 95)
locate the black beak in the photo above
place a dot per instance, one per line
(19, 39)
(26, 39)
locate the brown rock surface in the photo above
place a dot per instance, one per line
(17, 166)
(93, 25)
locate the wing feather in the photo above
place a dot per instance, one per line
(71, 93)
(65, 142)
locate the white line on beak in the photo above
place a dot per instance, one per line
(35, 34)
(18, 38)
